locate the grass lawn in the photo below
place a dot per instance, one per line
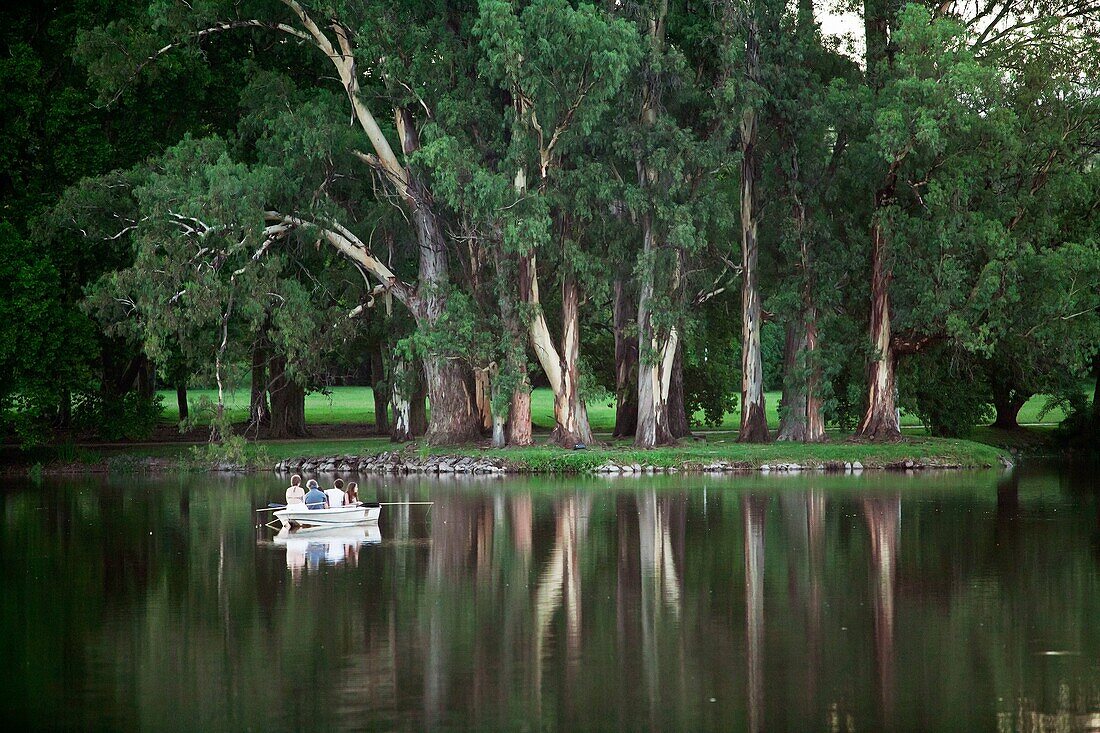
(355, 405)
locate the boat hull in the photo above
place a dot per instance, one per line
(336, 517)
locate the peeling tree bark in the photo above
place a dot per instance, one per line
(880, 422)
(754, 421)
(562, 369)
(399, 393)
(656, 354)
(657, 343)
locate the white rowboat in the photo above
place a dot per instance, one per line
(298, 515)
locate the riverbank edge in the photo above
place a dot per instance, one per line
(469, 465)
(697, 457)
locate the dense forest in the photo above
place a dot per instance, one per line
(675, 205)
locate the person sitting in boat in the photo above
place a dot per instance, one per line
(351, 496)
(295, 494)
(336, 493)
(315, 498)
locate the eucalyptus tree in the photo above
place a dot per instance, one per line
(412, 58)
(812, 136)
(557, 100)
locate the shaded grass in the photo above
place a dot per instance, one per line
(355, 405)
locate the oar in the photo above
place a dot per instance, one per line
(272, 507)
(404, 503)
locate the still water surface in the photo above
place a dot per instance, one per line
(954, 601)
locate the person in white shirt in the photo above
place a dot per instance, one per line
(336, 494)
(295, 494)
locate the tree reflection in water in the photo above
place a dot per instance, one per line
(578, 604)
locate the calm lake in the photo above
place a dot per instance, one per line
(945, 601)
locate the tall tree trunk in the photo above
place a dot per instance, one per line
(519, 418)
(454, 415)
(258, 412)
(626, 364)
(418, 414)
(562, 369)
(754, 420)
(499, 419)
(1007, 401)
(678, 422)
(483, 397)
(400, 390)
(792, 405)
(571, 416)
(881, 419)
(519, 413)
(288, 402)
(656, 353)
(379, 389)
(802, 417)
(181, 400)
(657, 343)
(815, 406)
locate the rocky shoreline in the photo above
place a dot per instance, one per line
(396, 463)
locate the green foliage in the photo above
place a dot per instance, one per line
(942, 388)
(132, 416)
(233, 450)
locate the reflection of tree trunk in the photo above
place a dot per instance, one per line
(288, 402)
(660, 589)
(753, 511)
(883, 516)
(522, 520)
(379, 390)
(626, 364)
(815, 519)
(627, 592)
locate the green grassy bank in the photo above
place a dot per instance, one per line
(689, 455)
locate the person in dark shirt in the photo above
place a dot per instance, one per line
(315, 498)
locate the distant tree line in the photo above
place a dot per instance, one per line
(665, 203)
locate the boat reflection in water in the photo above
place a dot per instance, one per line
(317, 546)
